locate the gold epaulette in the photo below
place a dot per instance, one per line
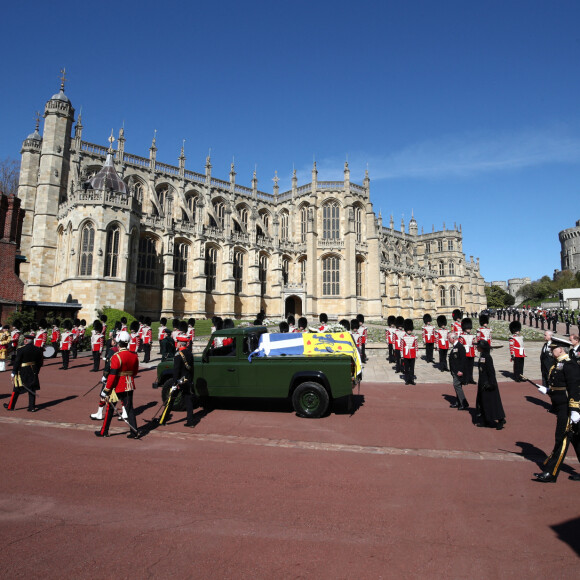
(572, 404)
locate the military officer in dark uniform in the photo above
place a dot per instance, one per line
(564, 390)
(457, 366)
(27, 364)
(488, 401)
(546, 358)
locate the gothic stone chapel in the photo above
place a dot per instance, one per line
(108, 228)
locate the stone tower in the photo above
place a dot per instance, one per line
(53, 173)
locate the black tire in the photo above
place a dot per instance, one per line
(178, 404)
(310, 400)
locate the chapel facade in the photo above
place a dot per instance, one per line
(105, 227)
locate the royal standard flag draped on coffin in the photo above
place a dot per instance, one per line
(309, 344)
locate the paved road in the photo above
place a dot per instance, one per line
(404, 487)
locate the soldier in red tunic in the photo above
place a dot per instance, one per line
(97, 341)
(468, 341)
(517, 350)
(135, 341)
(390, 337)
(483, 332)
(66, 339)
(55, 336)
(41, 334)
(409, 352)
(120, 386)
(428, 337)
(442, 339)
(147, 339)
(399, 333)
(457, 316)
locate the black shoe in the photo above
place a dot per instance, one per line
(413, 383)
(500, 424)
(575, 477)
(483, 425)
(6, 407)
(99, 434)
(32, 410)
(464, 407)
(133, 435)
(189, 424)
(454, 405)
(545, 477)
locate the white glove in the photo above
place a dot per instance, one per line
(104, 394)
(543, 390)
(104, 380)
(574, 416)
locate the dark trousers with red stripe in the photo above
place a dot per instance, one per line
(443, 358)
(518, 368)
(429, 346)
(147, 351)
(96, 360)
(14, 398)
(127, 399)
(553, 463)
(65, 358)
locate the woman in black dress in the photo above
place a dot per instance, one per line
(488, 398)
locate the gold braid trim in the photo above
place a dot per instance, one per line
(572, 404)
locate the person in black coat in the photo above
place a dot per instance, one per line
(546, 358)
(27, 364)
(488, 397)
(457, 367)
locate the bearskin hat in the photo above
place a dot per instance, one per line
(466, 324)
(483, 319)
(118, 325)
(183, 326)
(141, 318)
(399, 322)
(391, 320)
(103, 317)
(191, 322)
(134, 326)
(175, 323)
(360, 318)
(442, 320)
(291, 319)
(408, 325)
(77, 321)
(457, 314)
(345, 324)
(427, 318)
(42, 323)
(323, 318)
(229, 323)
(302, 322)
(67, 324)
(163, 321)
(515, 326)
(56, 322)
(148, 321)
(83, 322)
(124, 319)
(98, 326)
(354, 324)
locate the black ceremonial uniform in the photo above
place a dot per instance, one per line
(564, 381)
(183, 376)
(27, 363)
(458, 364)
(546, 362)
(488, 397)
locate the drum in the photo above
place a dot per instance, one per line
(48, 351)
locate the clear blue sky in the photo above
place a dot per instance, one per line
(465, 112)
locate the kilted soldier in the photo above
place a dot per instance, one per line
(467, 340)
(147, 339)
(27, 364)
(97, 342)
(120, 386)
(442, 340)
(66, 339)
(517, 350)
(457, 366)
(428, 337)
(564, 391)
(409, 352)
(390, 337)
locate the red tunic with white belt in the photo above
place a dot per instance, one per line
(124, 367)
(484, 333)
(162, 334)
(517, 346)
(399, 338)
(147, 335)
(409, 346)
(55, 336)
(96, 341)
(390, 335)
(442, 338)
(457, 328)
(40, 338)
(191, 333)
(363, 332)
(467, 341)
(15, 335)
(428, 334)
(135, 342)
(66, 339)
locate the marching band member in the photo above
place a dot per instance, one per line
(66, 339)
(442, 339)
(409, 352)
(41, 334)
(5, 341)
(55, 336)
(428, 337)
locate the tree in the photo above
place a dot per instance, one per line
(497, 297)
(9, 176)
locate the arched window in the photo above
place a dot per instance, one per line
(138, 189)
(284, 226)
(238, 271)
(112, 251)
(266, 220)
(303, 271)
(441, 269)
(285, 270)
(210, 268)
(359, 277)
(219, 209)
(442, 296)
(263, 274)
(450, 245)
(330, 276)
(192, 202)
(427, 248)
(244, 217)
(180, 256)
(147, 262)
(451, 269)
(358, 223)
(452, 296)
(439, 245)
(330, 221)
(162, 195)
(87, 247)
(303, 223)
